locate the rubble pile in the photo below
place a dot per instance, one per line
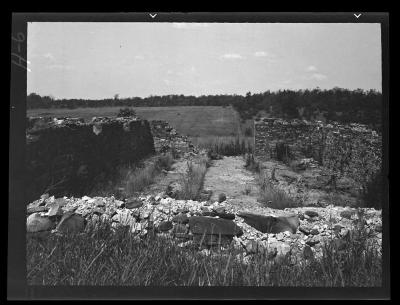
(300, 231)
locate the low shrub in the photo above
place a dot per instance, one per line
(164, 161)
(126, 112)
(192, 180)
(252, 164)
(273, 197)
(248, 132)
(371, 196)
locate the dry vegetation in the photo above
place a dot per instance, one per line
(192, 181)
(132, 179)
(102, 256)
(273, 197)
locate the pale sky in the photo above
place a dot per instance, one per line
(98, 60)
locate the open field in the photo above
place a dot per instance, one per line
(193, 121)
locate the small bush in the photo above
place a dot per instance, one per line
(221, 197)
(126, 112)
(371, 196)
(252, 164)
(192, 180)
(248, 132)
(164, 161)
(272, 197)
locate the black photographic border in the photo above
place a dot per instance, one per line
(17, 288)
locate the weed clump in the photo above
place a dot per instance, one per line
(192, 181)
(272, 197)
(252, 164)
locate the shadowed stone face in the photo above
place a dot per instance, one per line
(271, 224)
(213, 226)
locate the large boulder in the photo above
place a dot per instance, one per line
(165, 226)
(133, 203)
(71, 223)
(271, 224)
(213, 226)
(37, 223)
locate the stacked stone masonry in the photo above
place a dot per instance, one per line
(65, 156)
(167, 138)
(352, 149)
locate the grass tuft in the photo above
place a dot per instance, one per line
(272, 197)
(226, 146)
(192, 181)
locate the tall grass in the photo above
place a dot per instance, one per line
(132, 179)
(227, 146)
(271, 196)
(102, 256)
(192, 181)
(137, 179)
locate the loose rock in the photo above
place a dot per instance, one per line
(37, 223)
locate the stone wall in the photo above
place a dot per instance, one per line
(352, 150)
(67, 156)
(166, 137)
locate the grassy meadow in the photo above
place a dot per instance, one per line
(193, 121)
(217, 128)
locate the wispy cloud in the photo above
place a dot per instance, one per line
(49, 56)
(311, 68)
(318, 76)
(188, 25)
(260, 54)
(60, 67)
(269, 57)
(232, 56)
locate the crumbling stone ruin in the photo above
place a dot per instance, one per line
(350, 150)
(204, 225)
(75, 151)
(65, 156)
(166, 138)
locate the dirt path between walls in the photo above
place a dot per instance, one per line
(230, 177)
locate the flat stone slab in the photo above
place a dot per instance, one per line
(71, 223)
(37, 223)
(271, 224)
(213, 226)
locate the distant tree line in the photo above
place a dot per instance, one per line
(335, 104)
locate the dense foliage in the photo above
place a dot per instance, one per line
(336, 104)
